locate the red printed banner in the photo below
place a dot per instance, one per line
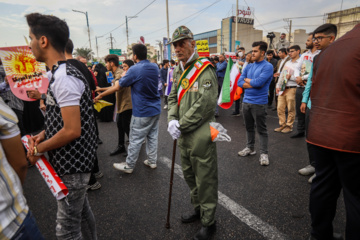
(23, 72)
(57, 187)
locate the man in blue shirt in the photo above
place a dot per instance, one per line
(256, 79)
(143, 79)
(220, 73)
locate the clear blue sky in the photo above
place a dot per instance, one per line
(106, 15)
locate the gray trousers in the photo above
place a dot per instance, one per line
(75, 219)
(256, 114)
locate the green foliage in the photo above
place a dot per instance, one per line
(84, 52)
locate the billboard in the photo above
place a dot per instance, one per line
(243, 11)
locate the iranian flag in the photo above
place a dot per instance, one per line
(229, 86)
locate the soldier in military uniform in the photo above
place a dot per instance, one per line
(192, 103)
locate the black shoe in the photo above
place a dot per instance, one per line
(336, 236)
(99, 141)
(298, 135)
(235, 114)
(118, 150)
(205, 232)
(274, 109)
(190, 217)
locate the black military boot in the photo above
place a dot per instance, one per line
(336, 236)
(118, 150)
(190, 217)
(205, 232)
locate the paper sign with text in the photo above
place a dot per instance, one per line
(203, 48)
(23, 72)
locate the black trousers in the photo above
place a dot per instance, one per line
(271, 92)
(308, 145)
(335, 170)
(300, 116)
(123, 123)
(95, 170)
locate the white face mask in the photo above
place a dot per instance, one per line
(241, 54)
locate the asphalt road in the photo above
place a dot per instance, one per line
(257, 202)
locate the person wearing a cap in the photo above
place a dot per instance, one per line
(189, 117)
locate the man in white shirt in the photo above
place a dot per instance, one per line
(69, 137)
(301, 74)
(286, 89)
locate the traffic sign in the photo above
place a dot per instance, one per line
(115, 51)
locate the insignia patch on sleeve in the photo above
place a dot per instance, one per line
(207, 84)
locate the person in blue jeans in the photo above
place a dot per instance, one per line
(256, 79)
(143, 79)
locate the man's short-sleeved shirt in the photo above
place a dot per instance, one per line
(13, 207)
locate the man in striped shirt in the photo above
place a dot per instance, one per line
(16, 221)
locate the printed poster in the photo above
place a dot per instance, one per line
(283, 80)
(305, 68)
(109, 76)
(23, 72)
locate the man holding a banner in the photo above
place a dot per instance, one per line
(256, 79)
(69, 136)
(192, 103)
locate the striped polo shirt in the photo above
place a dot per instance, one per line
(13, 207)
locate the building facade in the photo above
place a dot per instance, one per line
(345, 20)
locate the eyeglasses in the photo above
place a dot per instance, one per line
(319, 39)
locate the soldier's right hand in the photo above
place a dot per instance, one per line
(173, 129)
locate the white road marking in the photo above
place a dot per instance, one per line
(238, 211)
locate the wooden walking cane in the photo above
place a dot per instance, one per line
(171, 183)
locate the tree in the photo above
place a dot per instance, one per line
(84, 52)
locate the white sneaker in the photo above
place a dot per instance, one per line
(246, 151)
(166, 106)
(123, 167)
(312, 178)
(264, 159)
(307, 170)
(149, 164)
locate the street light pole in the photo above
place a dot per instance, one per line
(236, 21)
(87, 22)
(127, 29)
(97, 49)
(168, 32)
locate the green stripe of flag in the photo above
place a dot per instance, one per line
(226, 84)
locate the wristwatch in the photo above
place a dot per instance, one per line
(43, 96)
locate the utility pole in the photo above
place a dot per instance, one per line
(111, 41)
(127, 33)
(236, 21)
(290, 32)
(127, 29)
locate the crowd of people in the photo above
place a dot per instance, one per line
(327, 73)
